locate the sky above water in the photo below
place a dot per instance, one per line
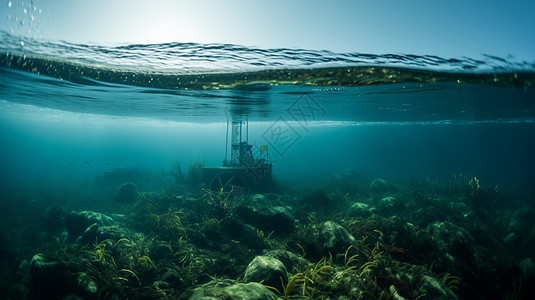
(445, 28)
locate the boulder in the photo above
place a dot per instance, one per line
(227, 290)
(267, 270)
(334, 238)
(521, 223)
(261, 213)
(48, 279)
(328, 238)
(127, 193)
(510, 239)
(455, 244)
(381, 187)
(289, 259)
(99, 233)
(86, 286)
(527, 268)
(359, 209)
(77, 222)
(389, 204)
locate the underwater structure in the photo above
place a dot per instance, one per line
(242, 172)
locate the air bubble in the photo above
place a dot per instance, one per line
(25, 10)
(9, 4)
(22, 43)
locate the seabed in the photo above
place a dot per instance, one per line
(352, 238)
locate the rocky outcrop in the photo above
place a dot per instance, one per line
(48, 279)
(260, 212)
(78, 222)
(266, 269)
(127, 193)
(327, 238)
(381, 187)
(229, 290)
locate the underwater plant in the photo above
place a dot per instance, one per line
(451, 281)
(134, 254)
(100, 252)
(515, 292)
(303, 252)
(349, 260)
(474, 187)
(307, 283)
(261, 236)
(482, 200)
(106, 265)
(167, 224)
(224, 203)
(176, 173)
(112, 280)
(161, 220)
(195, 172)
(316, 199)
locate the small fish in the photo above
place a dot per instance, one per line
(86, 162)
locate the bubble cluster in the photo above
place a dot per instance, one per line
(24, 19)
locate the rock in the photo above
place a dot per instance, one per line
(454, 243)
(521, 222)
(341, 183)
(259, 197)
(219, 290)
(90, 234)
(350, 283)
(289, 259)
(328, 238)
(267, 270)
(127, 193)
(335, 198)
(320, 199)
(435, 289)
(334, 238)
(99, 233)
(73, 297)
(395, 294)
(510, 239)
(389, 204)
(172, 277)
(236, 229)
(360, 209)
(249, 291)
(86, 286)
(48, 279)
(262, 214)
(381, 187)
(527, 267)
(347, 181)
(77, 222)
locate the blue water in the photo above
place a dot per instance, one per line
(70, 112)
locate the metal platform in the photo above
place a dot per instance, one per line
(242, 172)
